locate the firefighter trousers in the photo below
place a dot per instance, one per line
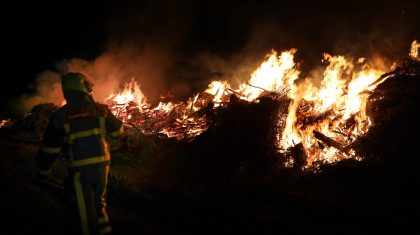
(90, 185)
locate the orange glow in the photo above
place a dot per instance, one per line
(5, 123)
(414, 51)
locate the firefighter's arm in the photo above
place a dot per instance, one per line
(50, 149)
(114, 126)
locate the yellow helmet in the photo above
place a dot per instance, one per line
(76, 82)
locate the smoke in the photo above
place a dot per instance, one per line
(47, 90)
(381, 32)
(110, 71)
(140, 45)
(180, 47)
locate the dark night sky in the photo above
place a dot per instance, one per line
(37, 35)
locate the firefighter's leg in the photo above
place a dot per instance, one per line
(68, 199)
(81, 203)
(103, 218)
(85, 194)
(92, 216)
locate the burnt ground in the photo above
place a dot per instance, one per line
(229, 181)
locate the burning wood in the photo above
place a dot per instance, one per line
(299, 156)
(309, 118)
(328, 141)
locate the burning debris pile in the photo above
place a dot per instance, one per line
(183, 120)
(325, 116)
(34, 122)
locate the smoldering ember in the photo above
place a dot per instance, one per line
(332, 152)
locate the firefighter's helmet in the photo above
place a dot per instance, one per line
(76, 81)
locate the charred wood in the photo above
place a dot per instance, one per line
(328, 141)
(308, 119)
(299, 156)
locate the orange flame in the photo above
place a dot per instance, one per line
(274, 74)
(414, 51)
(131, 93)
(218, 90)
(336, 108)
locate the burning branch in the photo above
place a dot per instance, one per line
(136, 128)
(249, 84)
(328, 141)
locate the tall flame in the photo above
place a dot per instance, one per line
(336, 109)
(218, 90)
(130, 93)
(273, 75)
(414, 51)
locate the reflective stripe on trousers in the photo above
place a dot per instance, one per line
(91, 200)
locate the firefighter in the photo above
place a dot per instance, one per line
(80, 130)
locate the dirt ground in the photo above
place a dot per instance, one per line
(346, 199)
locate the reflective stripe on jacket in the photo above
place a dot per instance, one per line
(79, 131)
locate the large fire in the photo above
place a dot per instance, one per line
(327, 111)
(324, 117)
